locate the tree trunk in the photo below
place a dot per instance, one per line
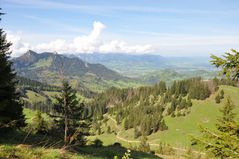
(66, 123)
(66, 130)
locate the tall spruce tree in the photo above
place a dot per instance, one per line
(11, 115)
(224, 141)
(71, 117)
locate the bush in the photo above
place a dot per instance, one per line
(218, 99)
(97, 143)
(39, 125)
(116, 144)
(144, 145)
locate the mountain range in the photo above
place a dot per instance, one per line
(133, 65)
(49, 68)
(97, 72)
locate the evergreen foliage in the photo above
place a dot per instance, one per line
(144, 145)
(223, 142)
(217, 82)
(217, 99)
(71, 117)
(10, 106)
(222, 94)
(144, 108)
(39, 124)
(28, 84)
(229, 64)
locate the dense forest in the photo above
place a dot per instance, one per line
(144, 108)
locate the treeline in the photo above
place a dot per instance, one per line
(144, 108)
(44, 107)
(28, 84)
(224, 81)
(36, 86)
(140, 108)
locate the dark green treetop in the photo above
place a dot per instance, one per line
(11, 114)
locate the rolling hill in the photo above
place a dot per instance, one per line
(50, 67)
(180, 129)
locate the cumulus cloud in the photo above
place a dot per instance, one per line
(91, 43)
(121, 46)
(56, 45)
(18, 46)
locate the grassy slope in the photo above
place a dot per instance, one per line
(14, 145)
(203, 113)
(25, 152)
(88, 152)
(180, 128)
(30, 149)
(34, 97)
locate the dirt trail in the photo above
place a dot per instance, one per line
(150, 143)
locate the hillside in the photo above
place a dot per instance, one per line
(49, 67)
(169, 75)
(104, 152)
(180, 129)
(181, 125)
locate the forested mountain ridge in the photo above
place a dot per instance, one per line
(48, 68)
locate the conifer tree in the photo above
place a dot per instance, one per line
(39, 124)
(229, 64)
(222, 94)
(228, 119)
(223, 142)
(71, 116)
(217, 99)
(11, 114)
(189, 103)
(137, 132)
(144, 145)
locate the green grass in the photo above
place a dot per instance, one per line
(43, 63)
(23, 151)
(181, 129)
(30, 114)
(203, 113)
(16, 145)
(34, 97)
(28, 152)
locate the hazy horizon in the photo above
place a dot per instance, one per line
(118, 53)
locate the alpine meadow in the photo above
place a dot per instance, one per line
(149, 80)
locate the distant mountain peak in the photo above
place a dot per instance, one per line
(46, 66)
(31, 52)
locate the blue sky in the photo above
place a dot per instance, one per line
(166, 27)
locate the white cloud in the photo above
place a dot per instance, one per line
(165, 44)
(82, 44)
(121, 46)
(90, 43)
(56, 45)
(18, 46)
